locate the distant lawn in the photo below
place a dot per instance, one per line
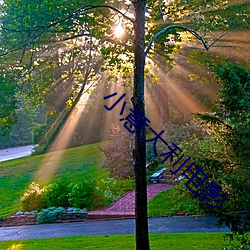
(169, 241)
(16, 175)
(170, 202)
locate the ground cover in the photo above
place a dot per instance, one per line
(170, 241)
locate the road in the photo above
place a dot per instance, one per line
(156, 225)
(14, 153)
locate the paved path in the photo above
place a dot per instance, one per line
(14, 153)
(126, 204)
(156, 225)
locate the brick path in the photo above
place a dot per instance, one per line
(125, 205)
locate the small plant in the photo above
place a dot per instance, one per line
(48, 215)
(33, 197)
(76, 210)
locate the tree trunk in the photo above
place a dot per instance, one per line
(139, 152)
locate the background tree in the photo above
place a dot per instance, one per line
(8, 105)
(118, 153)
(224, 152)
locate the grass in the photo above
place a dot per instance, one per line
(170, 202)
(16, 175)
(170, 241)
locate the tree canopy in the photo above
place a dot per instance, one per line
(58, 45)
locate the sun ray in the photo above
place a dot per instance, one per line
(51, 162)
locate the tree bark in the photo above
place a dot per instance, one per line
(139, 151)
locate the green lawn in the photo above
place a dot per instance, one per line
(170, 202)
(170, 241)
(16, 175)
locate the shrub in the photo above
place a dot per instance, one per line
(33, 197)
(103, 194)
(122, 186)
(109, 189)
(57, 193)
(81, 194)
(48, 215)
(243, 241)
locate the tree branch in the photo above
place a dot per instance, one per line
(42, 29)
(112, 8)
(76, 12)
(193, 32)
(218, 38)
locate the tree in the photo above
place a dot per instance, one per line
(111, 49)
(224, 151)
(230, 126)
(118, 156)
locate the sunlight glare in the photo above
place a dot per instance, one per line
(119, 31)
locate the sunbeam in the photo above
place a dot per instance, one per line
(51, 161)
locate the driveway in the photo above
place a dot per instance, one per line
(156, 225)
(14, 153)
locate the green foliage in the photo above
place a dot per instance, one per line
(51, 44)
(104, 192)
(243, 241)
(8, 105)
(73, 209)
(236, 16)
(224, 152)
(91, 193)
(81, 194)
(109, 189)
(22, 132)
(38, 131)
(32, 198)
(56, 194)
(48, 215)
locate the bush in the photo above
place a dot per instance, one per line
(103, 194)
(33, 197)
(123, 185)
(48, 215)
(243, 241)
(57, 193)
(109, 189)
(81, 194)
